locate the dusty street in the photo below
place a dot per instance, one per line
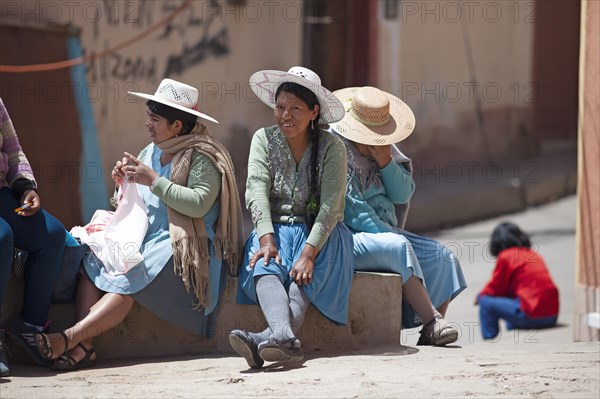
(544, 363)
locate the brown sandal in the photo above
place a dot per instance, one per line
(440, 337)
(68, 363)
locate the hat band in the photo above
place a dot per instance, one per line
(350, 109)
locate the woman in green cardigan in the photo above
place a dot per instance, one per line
(300, 251)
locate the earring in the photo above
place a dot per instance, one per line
(312, 124)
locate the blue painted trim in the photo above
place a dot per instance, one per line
(92, 192)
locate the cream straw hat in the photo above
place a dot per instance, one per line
(373, 117)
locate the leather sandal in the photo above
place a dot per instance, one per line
(67, 362)
(437, 337)
(273, 350)
(44, 347)
(243, 344)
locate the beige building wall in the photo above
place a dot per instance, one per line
(212, 45)
(430, 55)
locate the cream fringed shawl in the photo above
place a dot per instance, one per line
(188, 235)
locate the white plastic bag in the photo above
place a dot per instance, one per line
(119, 245)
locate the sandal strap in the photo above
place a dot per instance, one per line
(429, 323)
(68, 358)
(89, 352)
(72, 362)
(66, 339)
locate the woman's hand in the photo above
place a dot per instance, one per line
(382, 154)
(32, 197)
(118, 172)
(136, 171)
(302, 271)
(267, 250)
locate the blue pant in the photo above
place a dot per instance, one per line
(494, 308)
(43, 237)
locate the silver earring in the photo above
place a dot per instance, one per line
(312, 124)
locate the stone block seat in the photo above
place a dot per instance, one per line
(374, 319)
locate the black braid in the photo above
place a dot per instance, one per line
(313, 185)
(310, 99)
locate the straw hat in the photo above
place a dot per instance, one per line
(373, 117)
(265, 84)
(177, 95)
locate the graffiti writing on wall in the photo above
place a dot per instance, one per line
(199, 22)
(216, 46)
(207, 45)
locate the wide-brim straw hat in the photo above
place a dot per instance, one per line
(373, 117)
(176, 95)
(265, 84)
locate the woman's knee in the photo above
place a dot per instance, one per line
(56, 230)
(7, 242)
(6, 234)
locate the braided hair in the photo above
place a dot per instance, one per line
(310, 99)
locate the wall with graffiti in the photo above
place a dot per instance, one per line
(132, 45)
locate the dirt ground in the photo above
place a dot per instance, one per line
(530, 364)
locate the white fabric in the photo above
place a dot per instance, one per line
(118, 245)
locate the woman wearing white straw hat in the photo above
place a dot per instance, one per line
(187, 183)
(300, 251)
(378, 180)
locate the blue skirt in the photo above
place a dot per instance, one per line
(329, 290)
(408, 254)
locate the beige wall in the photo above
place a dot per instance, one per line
(229, 42)
(423, 58)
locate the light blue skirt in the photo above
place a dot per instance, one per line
(153, 282)
(329, 290)
(411, 255)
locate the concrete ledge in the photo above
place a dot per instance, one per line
(374, 319)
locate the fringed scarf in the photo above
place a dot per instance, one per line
(188, 235)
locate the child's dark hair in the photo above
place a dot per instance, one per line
(188, 121)
(507, 235)
(310, 99)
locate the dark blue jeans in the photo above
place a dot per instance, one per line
(43, 237)
(494, 308)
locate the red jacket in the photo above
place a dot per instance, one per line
(521, 272)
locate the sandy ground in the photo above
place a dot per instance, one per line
(543, 363)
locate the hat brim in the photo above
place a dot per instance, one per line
(400, 125)
(265, 83)
(170, 104)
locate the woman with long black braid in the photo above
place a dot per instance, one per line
(300, 252)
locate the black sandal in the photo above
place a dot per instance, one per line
(44, 347)
(272, 350)
(67, 362)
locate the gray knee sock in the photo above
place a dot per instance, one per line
(298, 305)
(273, 301)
